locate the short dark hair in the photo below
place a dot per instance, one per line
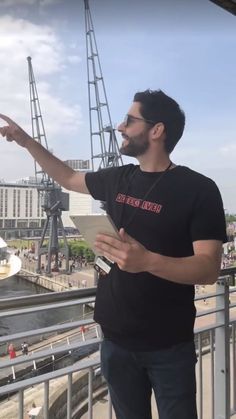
(158, 107)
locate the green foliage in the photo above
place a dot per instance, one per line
(80, 248)
(76, 247)
(19, 243)
(89, 255)
(230, 218)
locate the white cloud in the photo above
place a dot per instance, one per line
(59, 119)
(47, 2)
(18, 39)
(73, 59)
(228, 150)
(8, 3)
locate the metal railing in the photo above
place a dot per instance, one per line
(216, 350)
(61, 374)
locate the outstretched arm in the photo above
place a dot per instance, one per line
(59, 171)
(131, 256)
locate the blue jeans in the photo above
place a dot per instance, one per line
(131, 376)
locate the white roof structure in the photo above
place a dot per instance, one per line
(35, 411)
(2, 243)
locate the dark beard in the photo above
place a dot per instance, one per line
(136, 146)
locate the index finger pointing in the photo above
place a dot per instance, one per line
(7, 119)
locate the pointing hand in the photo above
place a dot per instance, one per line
(13, 132)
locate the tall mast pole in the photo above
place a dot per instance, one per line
(104, 145)
(53, 200)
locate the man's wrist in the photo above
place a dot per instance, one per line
(151, 263)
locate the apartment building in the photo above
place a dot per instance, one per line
(20, 208)
(78, 203)
(20, 205)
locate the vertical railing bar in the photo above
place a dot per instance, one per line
(90, 393)
(222, 351)
(234, 365)
(109, 406)
(21, 404)
(197, 369)
(46, 400)
(213, 391)
(212, 375)
(69, 396)
(200, 375)
(13, 373)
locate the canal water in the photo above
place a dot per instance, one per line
(19, 287)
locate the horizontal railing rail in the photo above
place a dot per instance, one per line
(215, 345)
(46, 354)
(52, 297)
(47, 330)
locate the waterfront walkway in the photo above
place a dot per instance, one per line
(59, 281)
(100, 410)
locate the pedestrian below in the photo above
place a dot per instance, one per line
(24, 348)
(11, 351)
(84, 283)
(171, 225)
(32, 416)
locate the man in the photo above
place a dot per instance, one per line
(171, 225)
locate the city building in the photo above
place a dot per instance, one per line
(78, 203)
(20, 209)
(21, 214)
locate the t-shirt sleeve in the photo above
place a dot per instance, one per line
(97, 183)
(208, 221)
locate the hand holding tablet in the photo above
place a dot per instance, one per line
(92, 225)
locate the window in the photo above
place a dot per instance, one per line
(1, 202)
(14, 203)
(31, 204)
(10, 223)
(18, 203)
(26, 203)
(6, 202)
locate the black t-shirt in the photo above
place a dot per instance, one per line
(141, 311)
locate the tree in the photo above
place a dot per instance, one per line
(78, 248)
(230, 218)
(89, 255)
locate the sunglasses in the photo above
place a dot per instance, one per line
(128, 119)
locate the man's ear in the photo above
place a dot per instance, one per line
(158, 130)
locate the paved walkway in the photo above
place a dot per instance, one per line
(82, 278)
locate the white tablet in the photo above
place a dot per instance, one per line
(91, 225)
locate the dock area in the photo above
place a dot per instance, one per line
(58, 281)
(86, 278)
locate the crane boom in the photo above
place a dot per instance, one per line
(53, 200)
(38, 130)
(104, 145)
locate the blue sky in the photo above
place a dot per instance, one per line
(186, 48)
